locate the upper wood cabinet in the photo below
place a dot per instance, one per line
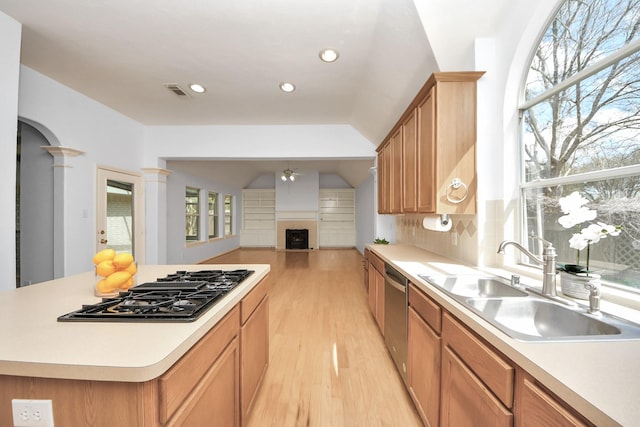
(410, 163)
(384, 180)
(436, 167)
(396, 172)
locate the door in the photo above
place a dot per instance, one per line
(120, 212)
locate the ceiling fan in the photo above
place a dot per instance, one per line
(289, 175)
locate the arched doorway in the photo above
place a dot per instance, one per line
(34, 208)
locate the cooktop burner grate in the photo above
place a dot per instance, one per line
(182, 296)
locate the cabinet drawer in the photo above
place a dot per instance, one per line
(253, 298)
(426, 308)
(377, 262)
(494, 371)
(537, 407)
(178, 382)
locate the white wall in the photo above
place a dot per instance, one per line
(365, 213)
(301, 195)
(255, 142)
(10, 31)
(72, 120)
(178, 252)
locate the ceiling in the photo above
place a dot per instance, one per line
(122, 53)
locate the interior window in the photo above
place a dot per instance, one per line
(213, 215)
(580, 123)
(228, 215)
(192, 213)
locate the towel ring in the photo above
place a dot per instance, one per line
(457, 183)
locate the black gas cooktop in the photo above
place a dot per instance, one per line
(179, 297)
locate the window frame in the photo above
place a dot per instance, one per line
(195, 192)
(213, 218)
(228, 215)
(621, 293)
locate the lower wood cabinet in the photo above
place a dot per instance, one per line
(477, 382)
(376, 289)
(254, 346)
(457, 379)
(215, 400)
(210, 370)
(466, 401)
(538, 407)
(423, 359)
(213, 384)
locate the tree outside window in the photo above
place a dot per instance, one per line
(192, 214)
(581, 130)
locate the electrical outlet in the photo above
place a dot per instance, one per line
(32, 413)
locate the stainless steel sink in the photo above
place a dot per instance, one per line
(535, 319)
(474, 285)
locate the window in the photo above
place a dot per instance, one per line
(581, 131)
(192, 214)
(213, 215)
(228, 215)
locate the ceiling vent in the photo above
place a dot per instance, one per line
(176, 89)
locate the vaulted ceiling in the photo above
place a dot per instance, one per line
(123, 53)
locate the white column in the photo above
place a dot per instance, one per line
(61, 162)
(156, 214)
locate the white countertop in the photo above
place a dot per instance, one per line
(34, 343)
(601, 380)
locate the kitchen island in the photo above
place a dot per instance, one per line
(130, 373)
(597, 380)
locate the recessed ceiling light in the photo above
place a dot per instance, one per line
(197, 88)
(287, 87)
(329, 55)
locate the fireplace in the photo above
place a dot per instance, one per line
(297, 238)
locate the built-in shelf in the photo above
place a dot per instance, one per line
(337, 217)
(258, 218)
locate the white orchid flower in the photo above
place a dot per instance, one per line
(578, 241)
(577, 216)
(576, 213)
(572, 202)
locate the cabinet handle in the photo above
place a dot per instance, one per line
(457, 183)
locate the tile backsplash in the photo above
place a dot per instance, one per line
(473, 239)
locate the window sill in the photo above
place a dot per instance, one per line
(192, 243)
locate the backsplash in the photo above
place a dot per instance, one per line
(466, 241)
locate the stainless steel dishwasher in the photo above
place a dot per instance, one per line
(395, 317)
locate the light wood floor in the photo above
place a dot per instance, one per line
(328, 363)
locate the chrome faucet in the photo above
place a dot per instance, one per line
(548, 263)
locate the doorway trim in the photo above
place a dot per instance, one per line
(104, 173)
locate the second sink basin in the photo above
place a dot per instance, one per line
(474, 285)
(535, 319)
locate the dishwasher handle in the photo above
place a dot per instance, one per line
(394, 283)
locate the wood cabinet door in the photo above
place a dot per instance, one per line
(423, 369)
(426, 153)
(466, 401)
(380, 300)
(373, 291)
(216, 399)
(384, 180)
(254, 352)
(537, 408)
(396, 171)
(410, 164)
